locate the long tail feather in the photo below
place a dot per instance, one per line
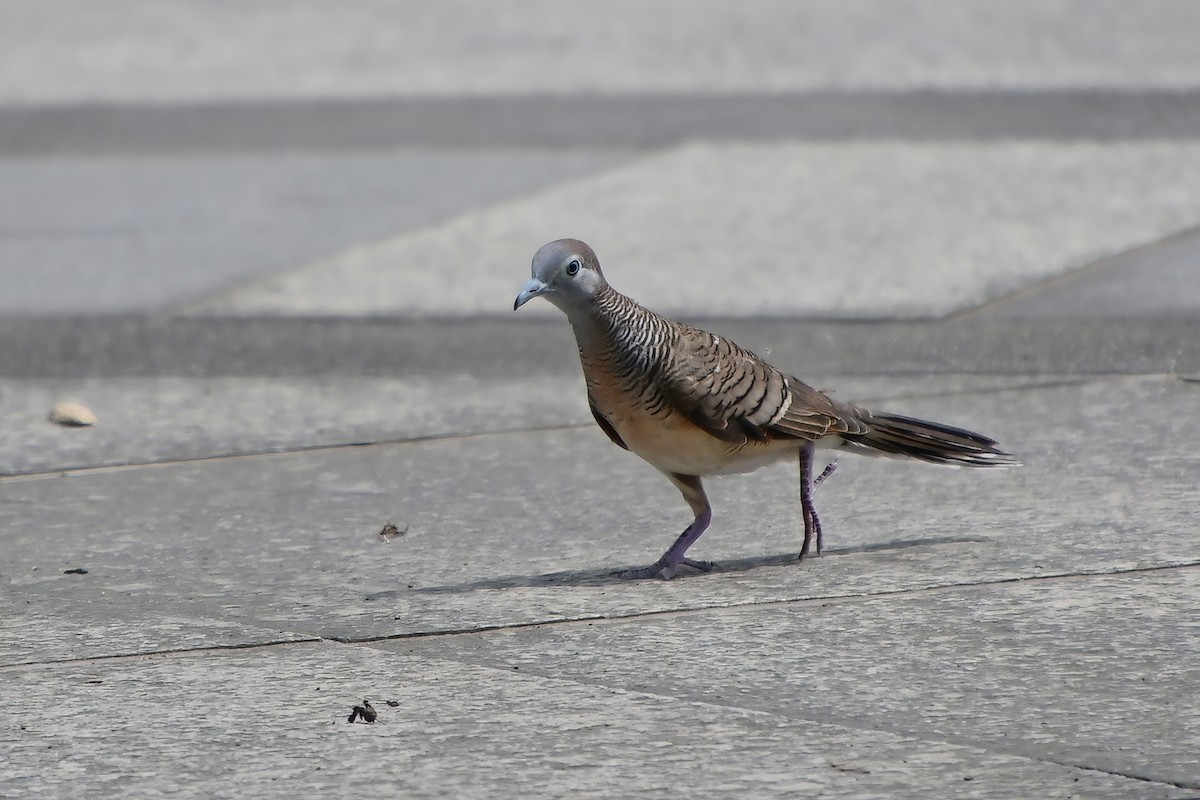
(930, 441)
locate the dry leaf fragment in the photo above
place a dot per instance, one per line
(390, 532)
(366, 712)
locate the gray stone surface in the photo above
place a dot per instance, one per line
(535, 532)
(1016, 668)
(147, 420)
(39, 628)
(273, 724)
(1161, 280)
(527, 347)
(102, 236)
(1025, 168)
(572, 121)
(78, 51)
(840, 231)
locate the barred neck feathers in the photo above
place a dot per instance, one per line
(612, 320)
(624, 341)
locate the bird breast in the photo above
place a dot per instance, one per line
(665, 438)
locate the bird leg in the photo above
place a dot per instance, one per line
(812, 523)
(830, 468)
(669, 563)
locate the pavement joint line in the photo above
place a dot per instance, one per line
(1031, 383)
(1077, 272)
(851, 723)
(861, 724)
(69, 472)
(170, 651)
(841, 721)
(780, 602)
(308, 638)
(194, 307)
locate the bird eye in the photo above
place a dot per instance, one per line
(573, 266)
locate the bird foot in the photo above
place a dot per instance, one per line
(663, 570)
(812, 523)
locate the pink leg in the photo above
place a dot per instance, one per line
(812, 522)
(669, 563)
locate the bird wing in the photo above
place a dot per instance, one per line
(735, 396)
(604, 424)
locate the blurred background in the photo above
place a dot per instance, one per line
(156, 155)
(206, 189)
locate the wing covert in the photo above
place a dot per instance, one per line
(735, 396)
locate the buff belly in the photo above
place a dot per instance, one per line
(674, 444)
(669, 441)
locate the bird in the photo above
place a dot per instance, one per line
(694, 404)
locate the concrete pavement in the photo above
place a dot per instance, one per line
(275, 252)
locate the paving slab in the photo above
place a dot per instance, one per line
(343, 202)
(1158, 281)
(1092, 671)
(36, 628)
(273, 724)
(521, 528)
(572, 122)
(851, 231)
(117, 235)
(517, 346)
(149, 420)
(145, 52)
(146, 420)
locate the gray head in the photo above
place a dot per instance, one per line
(566, 272)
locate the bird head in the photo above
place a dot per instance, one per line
(566, 272)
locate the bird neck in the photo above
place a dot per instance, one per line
(600, 323)
(612, 326)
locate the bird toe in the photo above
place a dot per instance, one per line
(663, 570)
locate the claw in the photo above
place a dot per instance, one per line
(663, 570)
(656, 570)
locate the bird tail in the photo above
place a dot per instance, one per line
(893, 434)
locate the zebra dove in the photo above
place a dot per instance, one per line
(694, 404)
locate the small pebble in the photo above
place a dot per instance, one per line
(72, 414)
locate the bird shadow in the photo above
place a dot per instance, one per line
(610, 576)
